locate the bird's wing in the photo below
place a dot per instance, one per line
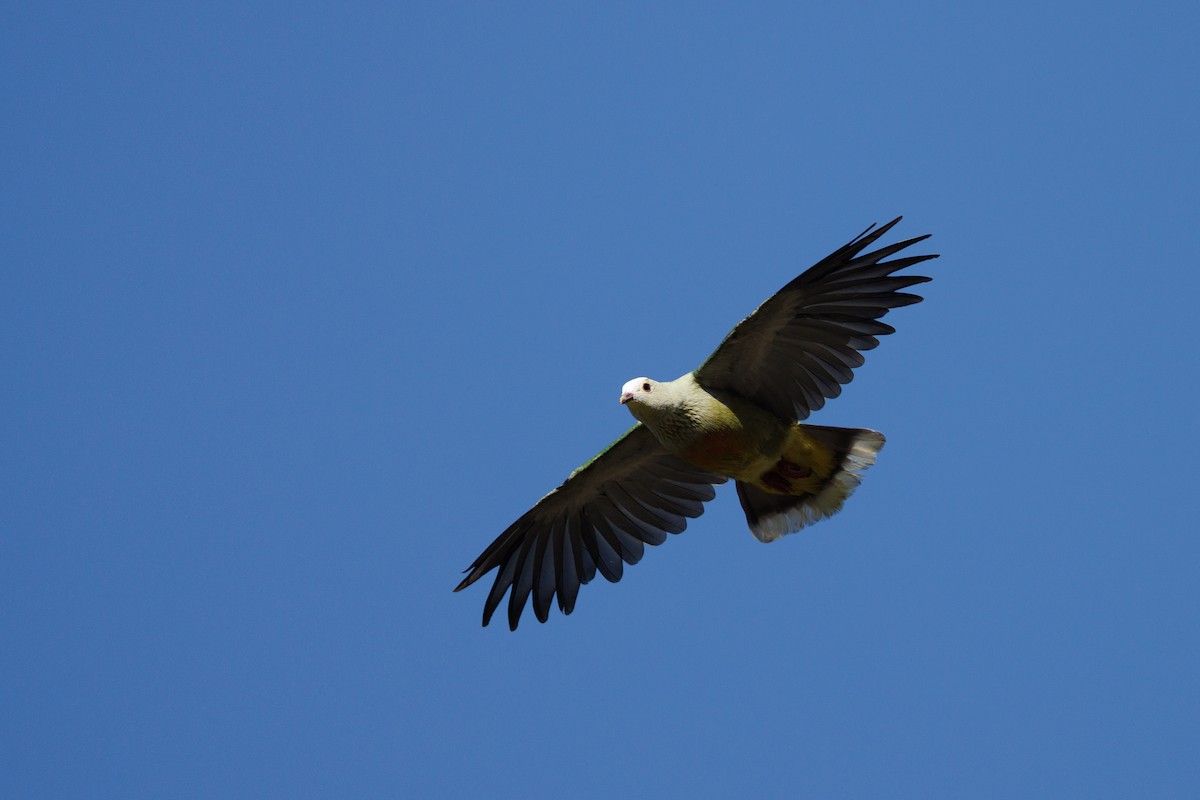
(632, 494)
(801, 345)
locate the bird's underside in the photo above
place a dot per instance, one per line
(739, 416)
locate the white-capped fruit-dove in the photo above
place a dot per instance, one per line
(737, 416)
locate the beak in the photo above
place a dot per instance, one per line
(625, 398)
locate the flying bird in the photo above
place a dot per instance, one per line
(737, 416)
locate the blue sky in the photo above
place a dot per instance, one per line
(303, 303)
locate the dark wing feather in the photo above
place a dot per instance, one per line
(797, 348)
(633, 494)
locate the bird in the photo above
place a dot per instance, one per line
(739, 416)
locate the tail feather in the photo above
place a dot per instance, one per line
(771, 515)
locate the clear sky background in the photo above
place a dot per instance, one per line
(303, 303)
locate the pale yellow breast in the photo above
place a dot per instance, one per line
(717, 431)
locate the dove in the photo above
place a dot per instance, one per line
(738, 416)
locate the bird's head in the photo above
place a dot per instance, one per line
(653, 402)
(645, 398)
(638, 390)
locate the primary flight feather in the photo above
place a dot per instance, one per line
(737, 416)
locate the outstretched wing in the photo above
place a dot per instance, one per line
(801, 345)
(633, 494)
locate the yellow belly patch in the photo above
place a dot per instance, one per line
(805, 451)
(803, 468)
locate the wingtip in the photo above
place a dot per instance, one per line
(467, 581)
(888, 226)
(874, 231)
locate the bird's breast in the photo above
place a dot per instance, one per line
(720, 433)
(724, 451)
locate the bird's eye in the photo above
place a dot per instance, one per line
(645, 387)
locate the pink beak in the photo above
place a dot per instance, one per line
(625, 398)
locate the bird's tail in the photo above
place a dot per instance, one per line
(821, 467)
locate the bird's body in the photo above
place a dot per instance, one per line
(724, 433)
(739, 416)
(714, 430)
